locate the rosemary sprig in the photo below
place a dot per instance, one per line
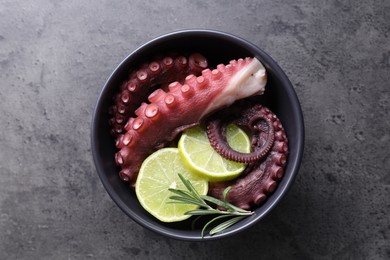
(191, 196)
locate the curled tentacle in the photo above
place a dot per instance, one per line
(260, 178)
(252, 119)
(144, 80)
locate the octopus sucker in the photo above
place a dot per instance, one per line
(197, 60)
(132, 86)
(147, 78)
(138, 122)
(142, 75)
(216, 74)
(191, 80)
(127, 138)
(183, 106)
(170, 100)
(172, 87)
(154, 68)
(181, 62)
(158, 95)
(151, 111)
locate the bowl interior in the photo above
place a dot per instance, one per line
(218, 48)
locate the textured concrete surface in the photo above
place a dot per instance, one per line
(55, 57)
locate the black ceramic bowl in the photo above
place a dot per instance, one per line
(218, 47)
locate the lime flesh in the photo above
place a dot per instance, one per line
(158, 173)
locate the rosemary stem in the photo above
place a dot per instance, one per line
(231, 213)
(191, 196)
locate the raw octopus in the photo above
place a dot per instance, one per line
(183, 106)
(266, 161)
(147, 78)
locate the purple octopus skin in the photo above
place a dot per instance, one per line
(249, 118)
(147, 78)
(260, 178)
(170, 112)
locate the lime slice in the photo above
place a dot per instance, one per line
(158, 173)
(195, 148)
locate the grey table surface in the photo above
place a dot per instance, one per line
(55, 57)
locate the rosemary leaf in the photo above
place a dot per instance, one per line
(199, 212)
(213, 200)
(221, 227)
(240, 210)
(186, 200)
(182, 193)
(224, 195)
(210, 222)
(224, 204)
(190, 188)
(225, 192)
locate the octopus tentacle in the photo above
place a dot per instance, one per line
(145, 80)
(254, 121)
(182, 106)
(260, 178)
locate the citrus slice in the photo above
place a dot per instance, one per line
(195, 148)
(158, 173)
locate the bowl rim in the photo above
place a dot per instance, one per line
(295, 164)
